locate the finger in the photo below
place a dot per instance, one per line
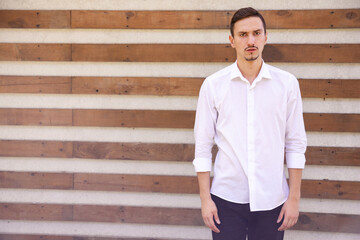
(281, 215)
(284, 225)
(216, 217)
(213, 226)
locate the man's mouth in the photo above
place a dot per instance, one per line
(251, 49)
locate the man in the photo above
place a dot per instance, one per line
(252, 112)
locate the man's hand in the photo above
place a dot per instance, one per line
(209, 213)
(290, 213)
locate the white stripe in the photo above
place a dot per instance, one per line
(174, 5)
(62, 101)
(151, 135)
(127, 36)
(153, 200)
(312, 235)
(104, 229)
(340, 173)
(141, 69)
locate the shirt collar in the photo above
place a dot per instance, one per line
(264, 73)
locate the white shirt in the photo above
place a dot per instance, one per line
(252, 125)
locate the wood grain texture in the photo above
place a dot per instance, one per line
(36, 117)
(325, 189)
(332, 122)
(134, 151)
(134, 118)
(324, 122)
(159, 86)
(35, 84)
(315, 53)
(137, 86)
(39, 212)
(34, 19)
(155, 215)
(35, 52)
(25, 148)
(36, 180)
(275, 19)
(330, 88)
(316, 155)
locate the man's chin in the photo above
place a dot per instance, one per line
(250, 59)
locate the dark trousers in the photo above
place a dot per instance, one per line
(237, 222)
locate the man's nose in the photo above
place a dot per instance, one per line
(251, 40)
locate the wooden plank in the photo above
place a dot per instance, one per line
(325, 189)
(35, 84)
(34, 19)
(127, 214)
(328, 222)
(310, 88)
(330, 88)
(39, 212)
(137, 86)
(333, 156)
(332, 122)
(315, 53)
(156, 215)
(35, 52)
(26, 148)
(275, 19)
(135, 183)
(36, 180)
(37, 117)
(316, 155)
(134, 118)
(134, 151)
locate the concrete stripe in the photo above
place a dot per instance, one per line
(172, 5)
(341, 173)
(140, 69)
(310, 105)
(309, 235)
(104, 229)
(151, 135)
(123, 36)
(153, 200)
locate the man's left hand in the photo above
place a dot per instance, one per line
(290, 213)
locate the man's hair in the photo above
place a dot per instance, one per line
(245, 13)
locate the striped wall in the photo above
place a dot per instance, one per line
(97, 102)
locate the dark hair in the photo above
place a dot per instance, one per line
(245, 13)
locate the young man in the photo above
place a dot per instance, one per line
(252, 112)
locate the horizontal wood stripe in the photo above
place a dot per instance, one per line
(320, 53)
(33, 180)
(323, 189)
(34, 19)
(23, 148)
(325, 122)
(35, 84)
(40, 117)
(337, 156)
(324, 53)
(310, 88)
(275, 19)
(293, 19)
(35, 52)
(156, 215)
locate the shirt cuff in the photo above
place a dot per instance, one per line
(295, 160)
(202, 164)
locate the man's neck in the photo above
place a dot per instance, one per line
(250, 69)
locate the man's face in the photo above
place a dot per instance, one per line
(249, 38)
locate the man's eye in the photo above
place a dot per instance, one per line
(257, 33)
(242, 34)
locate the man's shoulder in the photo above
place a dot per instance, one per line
(281, 74)
(221, 74)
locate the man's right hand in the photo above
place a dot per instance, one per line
(209, 213)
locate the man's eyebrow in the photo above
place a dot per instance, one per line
(257, 30)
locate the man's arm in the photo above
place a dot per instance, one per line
(290, 209)
(208, 207)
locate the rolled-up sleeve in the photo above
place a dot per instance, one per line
(204, 129)
(295, 137)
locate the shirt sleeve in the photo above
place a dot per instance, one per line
(295, 136)
(204, 129)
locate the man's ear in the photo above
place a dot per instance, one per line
(266, 34)
(231, 39)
